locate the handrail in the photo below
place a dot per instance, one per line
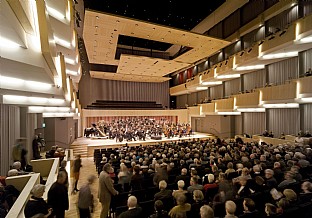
(52, 177)
(17, 210)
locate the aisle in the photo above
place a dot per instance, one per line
(87, 169)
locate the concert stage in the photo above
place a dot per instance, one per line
(95, 143)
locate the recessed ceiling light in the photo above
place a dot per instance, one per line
(96, 27)
(136, 24)
(169, 31)
(115, 30)
(97, 17)
(162, 38)
(117, 21)
(148, 36)
(132, 33)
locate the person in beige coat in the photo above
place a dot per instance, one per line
(106, 189)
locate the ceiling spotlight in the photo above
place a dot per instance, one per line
(97, 17)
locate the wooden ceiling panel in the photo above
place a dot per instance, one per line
(147, 66)
(127, 77)
(101, 33)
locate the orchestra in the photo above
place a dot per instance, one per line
(132, 129)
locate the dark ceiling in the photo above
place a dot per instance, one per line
(175, 13)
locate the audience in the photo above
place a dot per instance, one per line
(206, 212)
(246, 173)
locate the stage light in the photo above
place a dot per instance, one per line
(211, 83)
(251, 109)
(280, 55)
(282, 105)
(252, 67)
(229, 113)
(229, 76)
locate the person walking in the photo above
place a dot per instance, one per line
(76, 170)
(85, 199)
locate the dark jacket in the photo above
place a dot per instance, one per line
(58, 198)
(35, 206)
(133, 213)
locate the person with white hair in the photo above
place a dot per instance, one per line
(163, 193)
(36, 204)
(180, 190)
(230, 208)
(133, 210)
(85, 198)
(12, 172)
(184, 176)
(270, 181)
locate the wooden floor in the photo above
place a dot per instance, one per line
(87, 169)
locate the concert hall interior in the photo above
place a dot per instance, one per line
(155, 108)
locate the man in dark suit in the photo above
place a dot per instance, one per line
(133, 210)
(106, 189)
(58, 196)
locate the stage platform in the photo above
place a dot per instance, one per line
(89, 144)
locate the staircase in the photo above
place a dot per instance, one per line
(80, 149)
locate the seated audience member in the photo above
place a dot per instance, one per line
(36, 204)
(159, 210)
(136, 179)
(271, 134)
(290, 196)
(229, 168)
(12, 172)
(278, 173)
(163, 193)
(18, 166)
(270, 210)
(307, 134)
(265, 133)
(181, 207)
(282, 136)
(244, 189)
(282, 204)
(308, 73)
(230, 208)
(206, 212)
(133, 210)
(194, 185)
(249, 209)
(289, 179)
(184, 177)
(306, 195)
(270, 181)
(180, 190)
(211, 183)
(198, 198)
